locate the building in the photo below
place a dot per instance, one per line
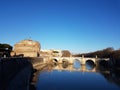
(45, 53)
(51, 52)
(56, 53)
(26, 48)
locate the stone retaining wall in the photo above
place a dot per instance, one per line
(17, 72)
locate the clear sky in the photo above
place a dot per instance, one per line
(76, 25)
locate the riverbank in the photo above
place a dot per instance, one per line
(16, 73)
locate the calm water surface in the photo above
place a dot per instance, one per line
(79, 78)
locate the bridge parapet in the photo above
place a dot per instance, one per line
(82, 60)
(106, 59)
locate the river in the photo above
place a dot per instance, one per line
(78, 77)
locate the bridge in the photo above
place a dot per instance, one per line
(82, 59)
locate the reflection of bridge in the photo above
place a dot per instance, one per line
(71, 67)
(82, 59)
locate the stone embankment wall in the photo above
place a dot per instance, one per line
(15, 73)
(37, 62)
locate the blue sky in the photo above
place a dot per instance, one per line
(75, 25)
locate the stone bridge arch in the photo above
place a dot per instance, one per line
(55, 60)
(90, 60)
(71, 60)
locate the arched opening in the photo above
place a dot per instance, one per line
(90, 64)
(76, 64)
(55, 62)
(65, 63)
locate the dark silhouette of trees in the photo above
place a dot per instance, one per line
(66, 53)
(105, 53)
(5, 46)
(5, 49)
(115, 56)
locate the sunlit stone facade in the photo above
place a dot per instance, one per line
(27, 48)
(51, 52)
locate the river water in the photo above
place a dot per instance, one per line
(78, 77)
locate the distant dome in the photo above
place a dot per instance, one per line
(27, 47)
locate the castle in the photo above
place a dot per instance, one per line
(26, 48)
(30, 48)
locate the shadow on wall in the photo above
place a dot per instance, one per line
(15, 74)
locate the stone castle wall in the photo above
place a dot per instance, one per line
(27, 48)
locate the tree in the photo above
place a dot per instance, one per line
(5, 49)
(66, 53)
(5, 46)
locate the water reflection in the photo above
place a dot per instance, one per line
(65, 64)
(113, 76)
(71, 77)
(74, 67)
(76, 64)
(62, 77)
(90, 65)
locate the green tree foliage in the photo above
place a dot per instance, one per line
(66, 53)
